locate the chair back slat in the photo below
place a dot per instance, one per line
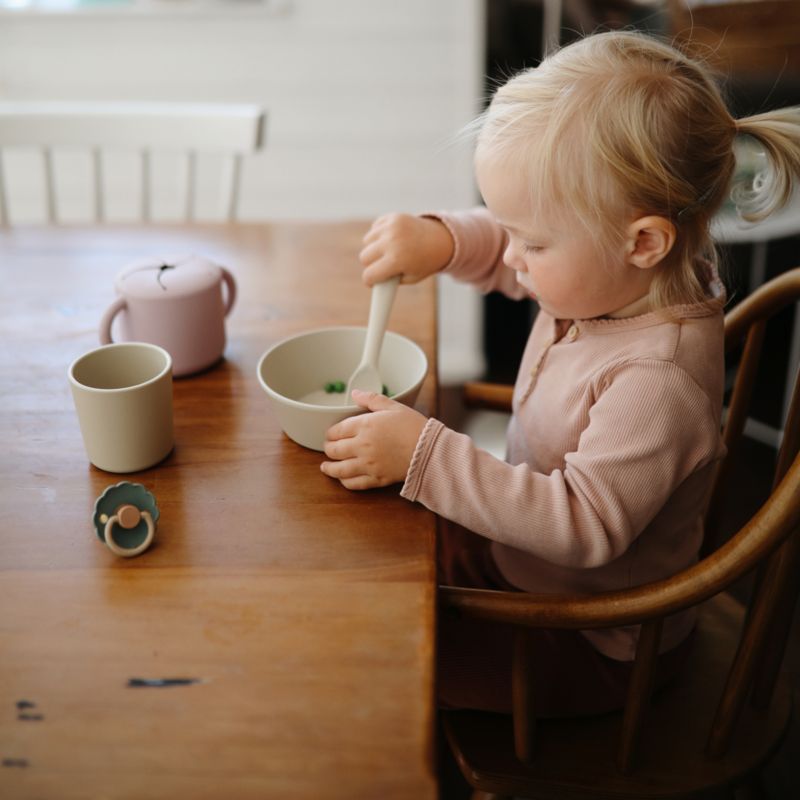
(523, 694)
(231, 192)
(735, 421)
(144, 198)
(781, 569)
(190, 183)
(50, 186)
(98, 195)
(743, 386)
(790, 442)
(639, 691)
(783, 574)
(3, 201)
(762, 612)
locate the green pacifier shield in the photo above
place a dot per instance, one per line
(121, 495)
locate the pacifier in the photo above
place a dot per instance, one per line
(125, 517)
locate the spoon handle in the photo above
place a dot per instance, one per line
(380, 307)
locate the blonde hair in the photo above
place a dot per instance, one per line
(620, 123)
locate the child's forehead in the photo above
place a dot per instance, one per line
(520, 193)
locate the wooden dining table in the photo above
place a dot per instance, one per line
(277, 639)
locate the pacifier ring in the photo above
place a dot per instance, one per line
(122, 517)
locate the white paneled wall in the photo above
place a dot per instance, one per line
(363, 98)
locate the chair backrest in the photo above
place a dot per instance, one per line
(765, 635)
(146, 129)
(769, 541)
(745, 330)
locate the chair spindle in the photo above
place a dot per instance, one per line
(734, 425)
(785, 568)
(145, 199)
(741, 675)
(769, 664)
(190, 166)
(50, 186)
(97, 184)
(790, 442)
(235, 174)
(3, 196)
(639, 691)
(523, 701)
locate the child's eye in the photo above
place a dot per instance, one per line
(532, 248)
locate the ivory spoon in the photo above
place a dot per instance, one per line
(366, 375)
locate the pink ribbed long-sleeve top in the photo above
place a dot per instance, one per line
(614, 435)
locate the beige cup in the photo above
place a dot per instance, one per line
(123, 396)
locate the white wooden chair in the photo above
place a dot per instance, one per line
(228, 132)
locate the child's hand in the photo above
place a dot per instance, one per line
(371, 450)
(402, 244)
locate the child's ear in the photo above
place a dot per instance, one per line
(648, 240)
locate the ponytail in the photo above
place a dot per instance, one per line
(778, 133)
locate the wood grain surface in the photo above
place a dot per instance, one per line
(303, 613)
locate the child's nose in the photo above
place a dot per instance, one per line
(511, 257)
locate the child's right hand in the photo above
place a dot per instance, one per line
(402, 244)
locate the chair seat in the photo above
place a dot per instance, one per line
(576, 756)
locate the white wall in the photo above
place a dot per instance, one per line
(362, 95)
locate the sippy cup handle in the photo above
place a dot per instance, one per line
(108, 318)
(230, 282)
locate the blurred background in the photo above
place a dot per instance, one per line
(364, 100)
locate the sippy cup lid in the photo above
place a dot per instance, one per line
(158, 279)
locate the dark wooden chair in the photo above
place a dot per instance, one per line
(714, 728)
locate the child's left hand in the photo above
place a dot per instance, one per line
(372, 450)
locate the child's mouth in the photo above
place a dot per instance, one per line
(521, 280)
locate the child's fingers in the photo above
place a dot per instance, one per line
(378, 228)
(374, 233)
(345, 429)
(370, 253)
(372, 401)
(380, 270)
(360, 483)
(342, 470)
(340, 449)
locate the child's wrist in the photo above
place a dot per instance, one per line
(443, 242)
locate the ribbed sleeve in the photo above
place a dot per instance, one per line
(650, 427)
(433, 427)
(478, 254)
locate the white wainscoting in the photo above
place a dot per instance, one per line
(362, 96)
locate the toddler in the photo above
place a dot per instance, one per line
(601, 170)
